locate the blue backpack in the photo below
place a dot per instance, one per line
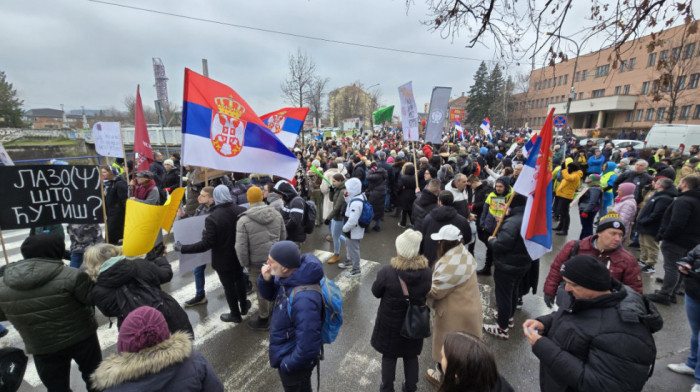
(367, 212)
(332, 307)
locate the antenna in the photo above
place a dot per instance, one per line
(161, 81)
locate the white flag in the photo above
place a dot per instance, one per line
(108, 139)
(409, 112)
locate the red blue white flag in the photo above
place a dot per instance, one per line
(535, 182)
(220, 131)
(486, 126)
(286, 123)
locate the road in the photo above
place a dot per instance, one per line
(240, 355)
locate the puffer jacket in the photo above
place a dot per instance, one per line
(621, 263)
(679, 225)
(376, 190)
(292, 212)
(120, 271)
(569, 185)
(626, 207)
(406, 191)
(590, 202)
(48, 303)
(600, 344)
(171, 365)
(295, 339)
(652, 214)
(461, 199)
(509, 251)
(439, 217)
(424, 204)
(386, 336)
(258, 228)
(664, 170)
(354, 209)
(338, 210)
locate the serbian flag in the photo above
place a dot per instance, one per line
(142, 142)
(535, 182)
(459, 129)
(486, 126)
(220, 131)
(286, 123)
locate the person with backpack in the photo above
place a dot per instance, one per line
(119, 281)
(411, 270)
(292, 212)
(296, 322)
(357, 204)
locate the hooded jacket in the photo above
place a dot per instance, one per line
(258, 228)
(338, 210)
(116, 195)
(595, 165)
(569, 184)
(171, 365)
(292, 212)
(600, 344)
(295, 338)
(424, 204)
(461, 201)
(692, 280)
(680, 225)
(509, 251)
(652, 214)
(626, 207)
(376, 188)
(664, 170)
(354, 209)
(439, 217)
(590, 202)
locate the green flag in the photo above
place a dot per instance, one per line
(383, 114)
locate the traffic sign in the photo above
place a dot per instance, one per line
(560, 121)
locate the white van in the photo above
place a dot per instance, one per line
(673, 135)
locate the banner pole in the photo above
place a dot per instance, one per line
(4, 251)
(415, 164)
(206, 177)
(104, 208)
(126, 161)
(500, 221)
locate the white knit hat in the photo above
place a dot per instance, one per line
(408, 243)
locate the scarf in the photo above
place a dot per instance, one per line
(141, 192)
(454, 268)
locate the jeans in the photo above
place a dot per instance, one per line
(54, 369)
(298, 381)
(199, 280)
(410, 371)
(672, 253)
(76, 259)
(337, 234)
(352, 247)
(692, 308)
(507, 293)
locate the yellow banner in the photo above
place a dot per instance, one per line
(143, 222)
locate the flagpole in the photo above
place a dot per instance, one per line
(415, 164)
(4, 251)
(126, 161)
(500, 221)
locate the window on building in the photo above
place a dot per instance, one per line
(584, 73)
(623, 66)
(633, 60)
(650, 115)
(618, 90)
(676, 53)
(560, 79)
(663, 55)
(685, 111)
(602, 70)
(688, 51)
(696, 115)
(667, 87)
(563, 98)
(674, 112)
(549, 83)
(629, 116)
(598, 93)
(580, 96)
(652, 60)
(638, 116)
(680, 82)
(626, 89)
(660, 113)
(655, 86)
(645, 87)
(566, 79)
(578, 76)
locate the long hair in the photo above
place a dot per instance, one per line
(471, 367)
(96, 255)
(444, 246)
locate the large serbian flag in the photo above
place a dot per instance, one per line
(220, 131)
(535, 182)
(286, 123)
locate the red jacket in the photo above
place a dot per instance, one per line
(427, 151)
(623, 265)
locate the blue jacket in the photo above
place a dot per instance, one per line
(595, 165)
(295, 342)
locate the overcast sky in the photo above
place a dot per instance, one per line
(82, 53)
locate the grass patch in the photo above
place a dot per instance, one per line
(42, 142)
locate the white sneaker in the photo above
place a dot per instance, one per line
(682, 368)
(696, 388)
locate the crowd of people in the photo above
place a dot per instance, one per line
(445, 198)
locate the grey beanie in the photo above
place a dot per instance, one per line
(286, 254)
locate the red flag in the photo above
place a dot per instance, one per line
(142, 142)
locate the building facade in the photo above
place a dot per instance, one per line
(656, 81)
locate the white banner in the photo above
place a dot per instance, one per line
(409, 112)
(108, 139)
(5, 157)
(189, 231)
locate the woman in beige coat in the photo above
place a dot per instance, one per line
(454, 295)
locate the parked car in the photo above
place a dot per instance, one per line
(673, 135)
(623, 143)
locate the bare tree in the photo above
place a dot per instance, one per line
(149, 112)
(302, 71)
(315, 97)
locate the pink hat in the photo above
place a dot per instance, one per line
(390, 160)
(143, 327)
(627, 188)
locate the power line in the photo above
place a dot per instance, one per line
(361, 45)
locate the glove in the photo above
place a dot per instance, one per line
(549, 300)
(327, 222)
(584, 215)
(177, 246)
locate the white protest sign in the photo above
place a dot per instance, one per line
(5, 157)
(108, 139)
(409, 112)
(189, 231)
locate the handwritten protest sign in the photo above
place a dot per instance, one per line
(108, 139)
(42, 195)
(409, 112)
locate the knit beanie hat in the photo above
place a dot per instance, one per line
(408, 243)
(401, 155)
(587, 271)
(44, 246)
(286, 254)
(593, 179)
(611, 220)
(254, 195)
(627, 188)
(144, 327)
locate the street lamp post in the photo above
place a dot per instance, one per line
(572, 92)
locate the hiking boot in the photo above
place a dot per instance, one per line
(484, 272)
(334, 259)
(231, 318)
(496, 331)
(647, 269)
(259, 324)
(402, 225)
(681, 368)
(353, 273)
(659, 298)
(197, 300)
(377, 229)
(347, 264)
(434, 376)
(246, 308)
(329, 238)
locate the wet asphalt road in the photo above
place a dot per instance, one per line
(240, 357)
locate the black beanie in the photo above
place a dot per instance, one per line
(518, 200)
(588, 272)
(44, 246)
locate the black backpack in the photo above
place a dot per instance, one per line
(135, 294)
(13, 363)
(309, 219)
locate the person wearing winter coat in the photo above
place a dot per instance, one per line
(607, 179)
(151, 358)
(51, 307)
(626, 206)
(690, 167)
(639, 177)
(220, 236)
(600, 339)
(326, 188)
(664, 170)
(292, 212)
(315, 193)
(565, 194)
(295, 329)
(376, 192)
(116, 195)
(410, 267)
(589, 204)
(606, 246)
(82, 236)
(454, 295)
(512, 262)
(480, 192)
(426, 201)
(492, 211)
(258, 228)
(460, 192)
(354, 198)
(445, 214)
(649, 220)
(115, 276)
(595, 162)
(406, 192)
(336, 217)
(171, 180)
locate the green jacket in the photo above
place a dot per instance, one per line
(49, 304)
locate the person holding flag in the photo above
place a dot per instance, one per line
(486, 127)
(459, 129)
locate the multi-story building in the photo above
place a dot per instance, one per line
(656, 81)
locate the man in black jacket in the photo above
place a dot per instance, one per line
(116, 195)
(638, 177)
(600, 339)
(292, 212)
(158, 169)
(480, 191)
(444, 215)
(426, 201)
(649, 221)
